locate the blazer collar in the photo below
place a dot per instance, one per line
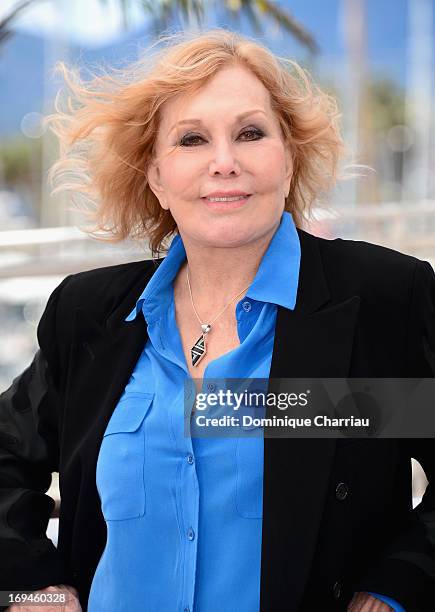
(116, 319)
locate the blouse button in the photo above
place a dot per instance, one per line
(191, 534)
(190, 459)
(246, 306)
(211, 386)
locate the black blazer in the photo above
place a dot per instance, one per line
(337, 514)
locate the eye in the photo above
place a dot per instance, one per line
(186, 140)
(257, 132)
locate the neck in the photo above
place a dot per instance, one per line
(217, 275)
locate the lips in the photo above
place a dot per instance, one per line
(226, 194)
(226, 205)
(225, 199)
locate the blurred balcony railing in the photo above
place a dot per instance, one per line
(59, 251)
(406, 227)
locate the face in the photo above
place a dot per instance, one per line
(222, 151)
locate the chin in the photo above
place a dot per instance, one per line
(228, 237)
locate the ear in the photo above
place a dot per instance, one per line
(289, 169)
(153, 178)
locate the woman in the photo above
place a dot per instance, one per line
(215, 141)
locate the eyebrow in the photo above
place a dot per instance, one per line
(199, 121)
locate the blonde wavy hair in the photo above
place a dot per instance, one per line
(107, 128)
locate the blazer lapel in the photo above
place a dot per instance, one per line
(310, 342)
(103, 356)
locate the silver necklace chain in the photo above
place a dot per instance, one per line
(207, 326)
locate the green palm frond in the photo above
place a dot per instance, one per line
(163, 13)
(285, 20)
(5, 23)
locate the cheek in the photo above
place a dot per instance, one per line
(173, 185)
(270, 170)
(177, 178)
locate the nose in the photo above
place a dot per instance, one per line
(224, 161)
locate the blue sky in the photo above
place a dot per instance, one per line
(91, 24)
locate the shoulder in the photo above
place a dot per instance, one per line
(362, 257)
(108, 284)
(377, 272)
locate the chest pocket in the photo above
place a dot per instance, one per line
(121, 461)
(249, 465)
